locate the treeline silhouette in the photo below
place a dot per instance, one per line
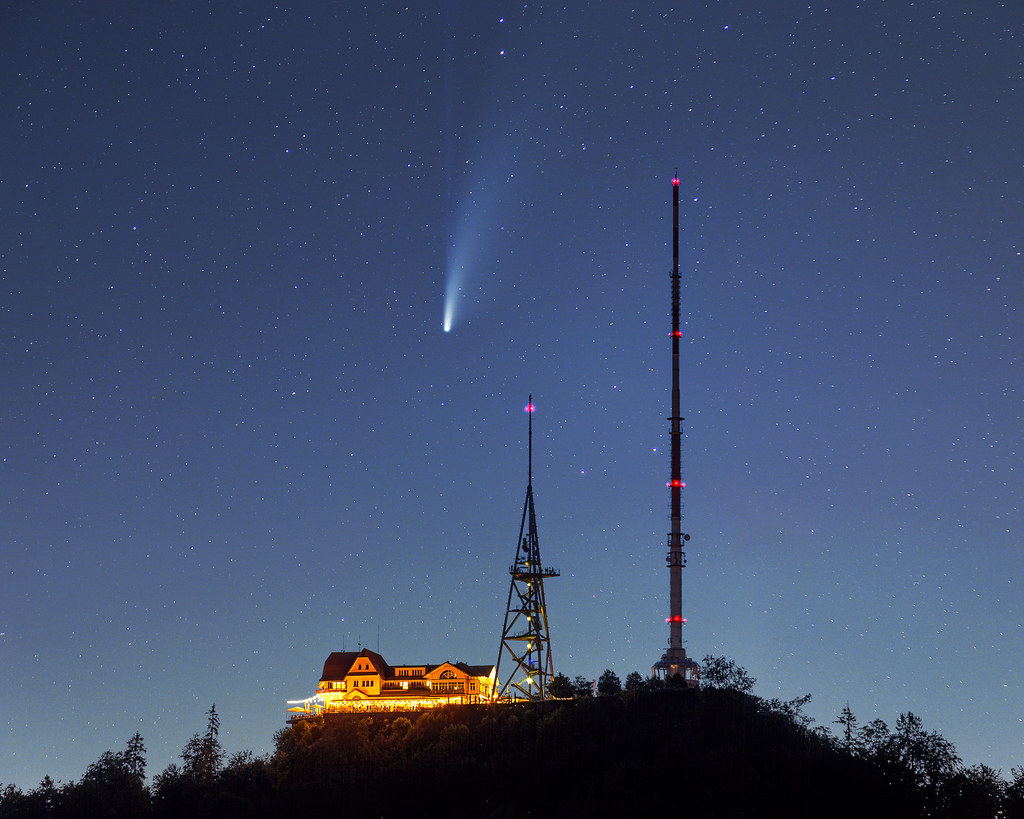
(606, 749)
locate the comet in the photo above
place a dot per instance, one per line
(463, 256)
(476, 229)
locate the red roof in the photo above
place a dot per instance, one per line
(339, 663)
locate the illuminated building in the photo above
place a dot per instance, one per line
(362, 681)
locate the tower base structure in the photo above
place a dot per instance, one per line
(674, 663)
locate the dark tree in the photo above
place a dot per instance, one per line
(582, 687)
(634, 681)
(171, 790)
(929, 757)
(719, 672)
(42, 802)
(112, 786)
(135, 757)
(166, 779)
(192, 790)
(848, 722)
(873, 739)
(609, 683)
(245, 784)
(203, 754)
(1014, 796)
(793, 709)
(47, 795)
(14, 803)
(978, 791)
(560, 687)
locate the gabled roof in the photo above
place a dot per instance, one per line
(476, 670)
(434, 669)
(471, 670)
(340, 663)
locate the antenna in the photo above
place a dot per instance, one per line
(674, 661)
(524, 637)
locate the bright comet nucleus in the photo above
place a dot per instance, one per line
(451, 299)
(454, 280)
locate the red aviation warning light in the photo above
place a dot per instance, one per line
(677, 618)
(676, 484)
(529, 407)
(675, 182)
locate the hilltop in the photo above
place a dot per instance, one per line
(712, 752)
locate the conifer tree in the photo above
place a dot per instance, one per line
(203, 754)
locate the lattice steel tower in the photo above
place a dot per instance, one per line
(674, 661)
(524, 639)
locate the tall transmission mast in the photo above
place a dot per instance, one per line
(524, 639)
(674, 661)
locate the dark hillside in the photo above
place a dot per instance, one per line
(713, 752)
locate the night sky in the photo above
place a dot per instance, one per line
(235, 435)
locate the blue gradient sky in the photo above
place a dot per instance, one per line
(235, 437)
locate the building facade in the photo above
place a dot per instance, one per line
(362, 681)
